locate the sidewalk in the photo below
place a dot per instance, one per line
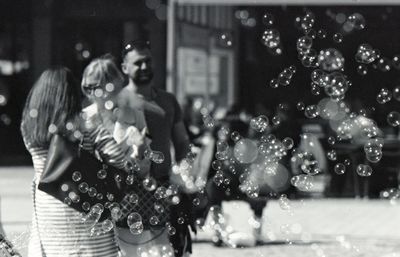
(320, 227)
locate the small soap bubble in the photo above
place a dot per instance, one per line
(364, 170)
(384, 96)
(276, 120)
(366, 54)
(133, 218)
(109, 105)
(133, 198)
(340, 168)
(300, 106)
(235, 136)
(357, 21)
(149, 184)
(83, 187)
(321, 33)
(157, 157)
(268, 19)
(396, 62)
(311, 111)
(384, 64)
(102, 174)
(154, 220)
(362, 69)
(338, 38)
(332, 155)
(76, 176)
(393, 119)
(288, 143)
(274, 83)
(396, 93)
(86, 206)
(208, 121)
(92, 192)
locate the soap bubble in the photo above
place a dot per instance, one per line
(300, 106)
(288, 143)
(364, 170)
(157, 157)
(260, 123)
(274, 83)
(208, 121)
(245, 151)
(315, 89)
(102, 174)
(304, 44)
(311, 111)
(133, 198)
(330, 59)
(357, 21)
(235, 136)
(332, 155)
(384, 64)
(340, 168)
(107, 226)
(285, 76)
(396, 61)
(318, 77)
(76, 176)
(393, 118)
(384, 96)
(133, 218)
(276, 120)
(396, 93)
(362, 69)
(321, 33)
(307, 22)
(309, 59)
(268, 19)
(338, 38)
(83, 187)
(154, 220)
(149, 184)
(284, 202)
(136, 228)
(365, 54)
(271, 38)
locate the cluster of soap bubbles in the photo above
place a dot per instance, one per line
(284, 78)
(271, 37)
(306, 22)
(354, 22)
(335, 84)
(306, 54)
(259, 123)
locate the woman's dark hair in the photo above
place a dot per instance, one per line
(54, 100)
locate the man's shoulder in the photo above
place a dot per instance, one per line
(165, 95)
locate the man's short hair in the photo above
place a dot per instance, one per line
(139, 44)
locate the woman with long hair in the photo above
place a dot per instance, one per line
(54, 105)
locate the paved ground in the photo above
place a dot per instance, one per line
(312, 227)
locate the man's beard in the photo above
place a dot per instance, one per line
(143, 78)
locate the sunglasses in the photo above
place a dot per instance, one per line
(91, 88)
